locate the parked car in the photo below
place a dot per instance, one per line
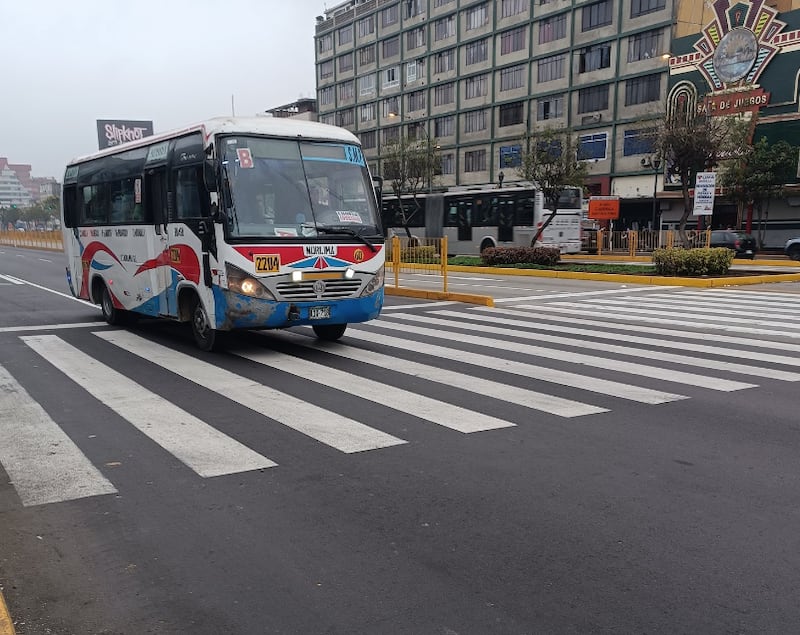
(744, 245)
(792, 248)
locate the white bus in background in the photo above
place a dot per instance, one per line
(233, 223)
(474, 219)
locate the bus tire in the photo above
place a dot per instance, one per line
(486, 244)
(111, 314)
(329, 332)
(205, 336)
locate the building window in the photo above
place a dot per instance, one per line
(325, 43)
(345, 117)
(415, 70)
(390, 15)
(345, 63)
(366, 85)
(416, 100)
(366, 55)
(329, 119)
(550, 107)
(642, 90)
(513, 40)
(368, 139)
(475, 121)
(476, 86)
(594, 58)
(391, 47)
(512, 114)
(475, 161)
(550, 68)
(448, 163)
(444, 61)
(345, 34)
(391, 106)
(391, 77)
(414, 7)
(444, 126)
(444, 28)
(641, 141)
(641, 7)
(645, 46)
(593, 99)
(553, 28)
(592, 146)
(326, 69)
(347, 90)
(512, 7)
(391, 134)
(366, 26)
(325, 96)
(444, 94)
(596, 15)
(367, 112)
(441, 3)
(512, 77)
(476, 17)
(476, 52)
(415, 38)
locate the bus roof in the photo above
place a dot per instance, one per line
(270, 126)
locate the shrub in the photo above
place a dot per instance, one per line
(520, 255)
(692, 262)
(425, 254)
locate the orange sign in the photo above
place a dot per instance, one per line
(732, 103)
(604, 207)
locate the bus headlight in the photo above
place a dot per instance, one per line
(375, 284)
(241, 282)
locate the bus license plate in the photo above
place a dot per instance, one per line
(319, 313)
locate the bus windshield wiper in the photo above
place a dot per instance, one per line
(323, 229)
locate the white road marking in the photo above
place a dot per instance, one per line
(580, 294)
(318, 423)
(43, 463)
(200, 447)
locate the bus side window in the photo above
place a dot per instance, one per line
(189, 192)
(70, 206)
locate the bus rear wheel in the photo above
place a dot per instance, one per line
(486, 244)
(111, 314)
(329, 332)
(205, 335)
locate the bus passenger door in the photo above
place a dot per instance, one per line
(155, 187)
(505, 220)
(464, 221)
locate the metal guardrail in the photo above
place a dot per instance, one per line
(641, 241)
(416, 255)
(34, 239)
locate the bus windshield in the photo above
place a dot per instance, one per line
(287, 188)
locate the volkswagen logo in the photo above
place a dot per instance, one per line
(319, 287)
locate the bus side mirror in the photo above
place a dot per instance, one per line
(210, 175)
(377, 184)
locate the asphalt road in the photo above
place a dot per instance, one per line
(584, 458)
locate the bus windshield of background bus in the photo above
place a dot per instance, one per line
(284, 188)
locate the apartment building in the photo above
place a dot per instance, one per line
(476, 75)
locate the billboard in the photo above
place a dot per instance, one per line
(112, 132)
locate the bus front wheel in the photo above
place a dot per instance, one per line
(205, 336)
(329, 332)
(486, 244)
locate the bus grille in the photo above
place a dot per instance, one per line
(305, 290)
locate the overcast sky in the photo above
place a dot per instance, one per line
(65, 64)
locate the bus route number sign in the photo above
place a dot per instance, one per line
(267, 263)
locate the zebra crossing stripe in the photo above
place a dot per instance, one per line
(702, 309)
(738, 342)
(199, 446)
(572, 309)
(662, 374)
(327, 427)
(433, 410)
(496, 390)
(533, 332)
(529, 371)
(698, 299)
(43, 463)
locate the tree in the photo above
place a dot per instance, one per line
(550, 159)
(695, 142)
(409, 164)
(759, 175)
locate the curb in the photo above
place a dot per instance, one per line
(468, 298)
(6, 625)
